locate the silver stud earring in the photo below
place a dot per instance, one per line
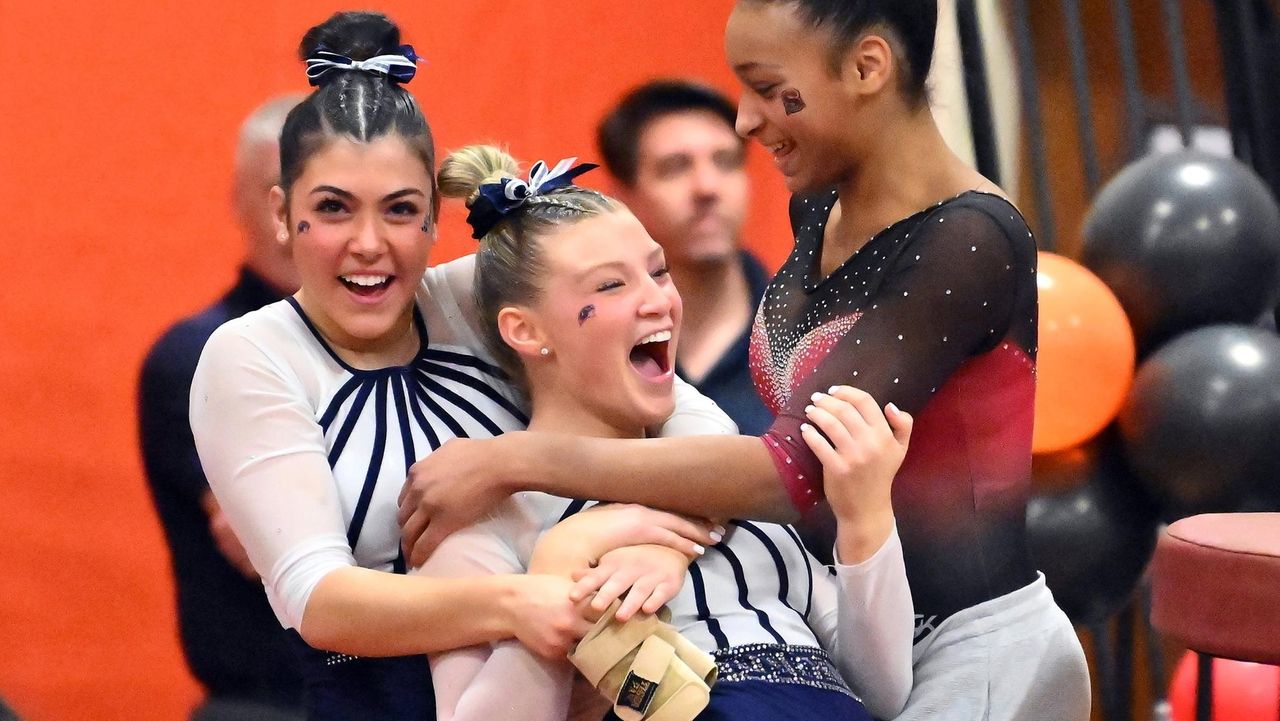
(283, 236)
(545, 351)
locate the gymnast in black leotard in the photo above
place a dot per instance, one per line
(937, 314)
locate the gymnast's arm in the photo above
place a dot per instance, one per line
(864, 617)
(701, 474)
(503, 679)
(862, 610)
(939, 305)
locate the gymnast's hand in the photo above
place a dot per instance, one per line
(583, 539)
(861, 449)
(648, 575)
(453, 487)
(542, 616)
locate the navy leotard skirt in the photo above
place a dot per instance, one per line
(344, 688)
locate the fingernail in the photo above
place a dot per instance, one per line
(717, 537)
(720, 531)
(832, 390)
(892, 408)
(817, 396)
(809, 409)
(697, 548)
(805, 427)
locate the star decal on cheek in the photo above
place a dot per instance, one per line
(792, 103)
(585, 313)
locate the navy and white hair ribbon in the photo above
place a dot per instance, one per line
(498, 200)
(399, 68)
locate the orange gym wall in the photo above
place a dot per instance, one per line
(117, 124)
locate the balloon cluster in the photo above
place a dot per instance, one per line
(1158, 394)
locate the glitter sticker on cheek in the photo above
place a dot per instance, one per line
(426, 226)
(792, 103)
(586, 313)
(303, 227)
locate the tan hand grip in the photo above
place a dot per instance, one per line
(645, 668)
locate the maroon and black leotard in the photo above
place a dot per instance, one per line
(936, 313)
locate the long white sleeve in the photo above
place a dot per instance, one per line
(864, 617)
(264, 455)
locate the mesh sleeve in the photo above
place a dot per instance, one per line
(263, 453)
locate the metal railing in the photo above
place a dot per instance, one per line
(1246, 31)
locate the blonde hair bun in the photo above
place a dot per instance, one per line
(466, 169)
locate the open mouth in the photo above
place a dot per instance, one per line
(366, 285)
(650, 356)
(780, 150)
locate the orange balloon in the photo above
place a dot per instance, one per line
(1085, 360)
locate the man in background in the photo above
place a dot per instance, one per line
(233, 643)
(679, 166)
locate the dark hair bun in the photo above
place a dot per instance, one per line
(357, 35)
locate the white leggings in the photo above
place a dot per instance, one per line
(1013, 658)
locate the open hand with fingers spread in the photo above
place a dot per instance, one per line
(861, 449)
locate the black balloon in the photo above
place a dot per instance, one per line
(1064, 470)
(1185, 240)
(1093, 536)
(1202, 421)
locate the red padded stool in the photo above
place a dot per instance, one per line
(1216, 590)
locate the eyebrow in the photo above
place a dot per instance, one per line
(753, 65)
(738, 153)
(345, 194)
(682, 157)
(402, 193)
(679, 156)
